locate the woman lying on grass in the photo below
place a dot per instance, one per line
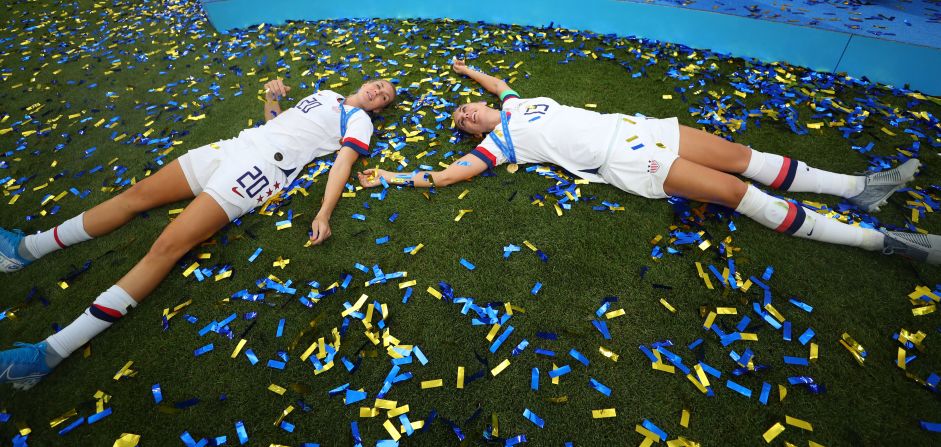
(656, 158)
(228, 179)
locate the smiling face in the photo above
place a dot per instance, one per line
(475, 118)
(375, 95)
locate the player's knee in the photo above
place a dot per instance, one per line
(733, 193)
(168, 247)
(137, 198)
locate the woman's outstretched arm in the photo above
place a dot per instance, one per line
(467, 167)
(492, 84)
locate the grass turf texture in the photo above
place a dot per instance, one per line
(592, 254)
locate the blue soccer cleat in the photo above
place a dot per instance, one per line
(24, 366)
(10, 259)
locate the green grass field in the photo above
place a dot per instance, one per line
(70, 68)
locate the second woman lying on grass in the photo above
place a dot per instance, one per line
(657, 158)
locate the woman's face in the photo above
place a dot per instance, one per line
(470, 118)
(375, 95)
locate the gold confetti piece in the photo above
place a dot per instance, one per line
(461, 213)
(773, 432)
(684, 418)
(649, 436)
(615, 314)
(782, 392)
(853, 347)
(127, 440)
(667, 305)
(813, 352)
(591, 106)
(460, 377)
(395, 412)
(59, 420)
(607, 353)
(417, 247)
(463, 194)
(405, 284)
(366, 412)
(495, 423)
(355, 308)
(709, 320)
(124, 371)
(385, 404)
(696, 382)
(667, 96)
(238, 348)
(493, 332)
(900, 358)
(923, 310)
(499, 368)
(604, 413)
(277, 389)
(804, 425)
(701, 375)
(726, 311)
(189, 270)
(433, 383)
(814, 444)
(391, 429)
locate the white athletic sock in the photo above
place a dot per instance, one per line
(108, 308)
(69, 233)
(787, 217)
(791, 175)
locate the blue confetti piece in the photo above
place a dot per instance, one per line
(653, 428)
(287, 426)
(536, 288)
(353, 396)
(738, 388)
(800, 361)
(565, 369)
(467, 264)
(99, 416)
(254, 255)
(252, 358)
(240, 430)
(534, 418)
(499, 341)
(930, 426)
(765, 391)
(579, 356)
(806, 336)
(200, 351)
(602, 327)
(600, 387)
(158, 394)
(382, 240)
(276, 364)
(534, 381)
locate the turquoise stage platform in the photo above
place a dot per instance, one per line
(887, 59)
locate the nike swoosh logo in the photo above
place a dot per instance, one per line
(7, 377)
(235, 190)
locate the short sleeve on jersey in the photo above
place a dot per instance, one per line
(489, 153)
(508, 95)
(358, 132)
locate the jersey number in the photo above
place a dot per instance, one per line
(307, 104)
(536, 109)
(255, 181)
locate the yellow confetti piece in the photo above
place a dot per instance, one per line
(667, 96)
(773, 432)
(615, 314)
(366, 412)
(608, 353)
(782, 392)
(405, 284)
(804, 425)
(238, 348)
(667, 305)
(432, 383)
(460, 377)
(499, 368)
(385, 404)
(709, 320)
(493, 332)
(277, 389)
(684, 418)
(591, 106)
(124, 371)
(463, 194)
(853, 347)
(398, 411)
(127, 440)
(189, 270)
(604, 413)
(391, 429)
(461, 213)
(417, 247)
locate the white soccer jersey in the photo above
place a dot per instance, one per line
(544, 131)
(309, 130)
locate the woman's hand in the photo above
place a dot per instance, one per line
(459, 66)
(370, 177)
(320, 230)
(275, 90)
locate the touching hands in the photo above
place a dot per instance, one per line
(275, 90)
(370, 177)
(459, 66)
